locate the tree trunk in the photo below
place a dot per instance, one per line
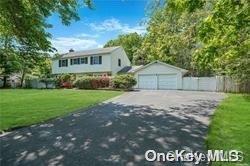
(22, 79)
(5, 81)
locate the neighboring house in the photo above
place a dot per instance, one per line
(100, 62)
(113, 60)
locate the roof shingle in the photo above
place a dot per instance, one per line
(89, 52)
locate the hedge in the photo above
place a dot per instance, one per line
(89, 82)
(124, 81)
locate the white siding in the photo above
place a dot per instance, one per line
(119, 54)
(83, 68)
(157, 68)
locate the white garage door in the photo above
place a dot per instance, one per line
(158, 81)
(167, 81)
(147, 81)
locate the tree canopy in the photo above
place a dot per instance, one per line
(24, 39)
(171, 35)
(205, 37)
(130, 42)
(25, 21)
(224, 39)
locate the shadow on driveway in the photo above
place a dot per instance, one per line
(109, 134)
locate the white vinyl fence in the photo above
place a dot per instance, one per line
(199, 83)
(215, 84)
(36, 84)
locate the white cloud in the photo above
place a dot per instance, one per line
(115, 25)
(63, 44)
(85, 35)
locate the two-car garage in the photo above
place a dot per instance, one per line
(159, 75)
(157, 81)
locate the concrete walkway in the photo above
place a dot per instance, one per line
(117, 132)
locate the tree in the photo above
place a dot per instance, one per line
(172, 34)
(130, 42)
(23, 35)
(26, 20)
(28, 60)
(8, 59)
(224, 40)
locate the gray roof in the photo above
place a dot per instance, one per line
(97, 51)
(129, 69)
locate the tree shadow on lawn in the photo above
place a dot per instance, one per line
(109, 134)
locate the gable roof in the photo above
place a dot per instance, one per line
(97, 51)
(162, 63)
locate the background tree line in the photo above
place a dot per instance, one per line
(206, 37)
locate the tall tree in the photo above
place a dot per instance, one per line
(224, 39)
(130, 42)
(172, 34)
(8, 59)
(23, 35)
(26, 20)
(28, 60)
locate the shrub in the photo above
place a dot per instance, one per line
(124, 81)
(89, 82)
(65, 81)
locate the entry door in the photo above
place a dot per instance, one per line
(167, 81)
(147, 81)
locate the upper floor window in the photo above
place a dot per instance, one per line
(63, 63)
(95, 60)
(84, 60)
(119, 62)
(77, 61)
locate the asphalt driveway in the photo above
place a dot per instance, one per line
(117, 132)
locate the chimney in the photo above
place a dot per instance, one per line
(71, 50)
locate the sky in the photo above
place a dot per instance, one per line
(106, 21)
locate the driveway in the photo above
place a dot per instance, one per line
(116, 132)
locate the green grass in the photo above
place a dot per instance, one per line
(230, 127)
(25, 107)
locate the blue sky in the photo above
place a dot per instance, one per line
(106, 21)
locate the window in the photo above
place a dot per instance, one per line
(63, 63)
(95, 60)
(84, 60)
(119, 62)
(78, 61)
(75, 61)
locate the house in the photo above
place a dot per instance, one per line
(113, 60)
(100, 62)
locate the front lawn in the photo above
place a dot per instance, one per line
(25, 107)
(230, 127)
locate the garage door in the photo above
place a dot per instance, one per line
(147, 81)
(154, 81)
(167, 81)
